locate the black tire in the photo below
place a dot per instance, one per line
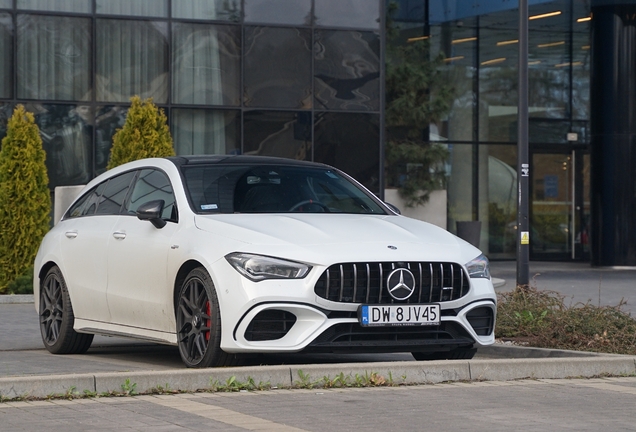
(456, 354)
(199, 323)
(57, 318)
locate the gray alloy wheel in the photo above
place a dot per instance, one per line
(57, 318)
(199, 323)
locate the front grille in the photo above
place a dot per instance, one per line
(354, 337)
(270, 324)
(482, 320)
(366, 282)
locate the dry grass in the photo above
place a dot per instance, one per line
(542, 319)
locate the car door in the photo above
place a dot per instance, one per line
(88, 229)
(138, 292)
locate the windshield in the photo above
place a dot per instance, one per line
(274, 189)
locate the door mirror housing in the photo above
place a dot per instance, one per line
(151, 211)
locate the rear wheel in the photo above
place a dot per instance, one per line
(199, 323)
(456, 354)
(57, 318)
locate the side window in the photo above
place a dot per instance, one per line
(76, 209)
(114, 194)
(93, 200)
(153, 185)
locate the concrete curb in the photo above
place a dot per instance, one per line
(285, 376)
(16, 298)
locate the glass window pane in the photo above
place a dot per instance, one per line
(6, 4)
(277, 67)
(206, 64)
(108, 119)
(294, 12)
(225, 10)
(114, 194)
(54, 57)
(347, 70)
(348, 13)
(274, 133)
(205, 131)
(147, 8)
(6, 55)
(79, 6)
(132, 59)
(93, 200)
(6, 110)
(500, 196)
(66, 133)
(350, 142)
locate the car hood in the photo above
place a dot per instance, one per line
(368, 237)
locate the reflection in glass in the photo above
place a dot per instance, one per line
(53, 59)
(350, 142)
(347, 70)
(348, 13)
(66, 132)
(5, 113)
(222, 10)
(132, 59)
(148, 8)
(6, 55)
(294, 12)
(205, 131)
(79, 6)
(206, 64)
(114, 194)
(153, 185)
(108, 119)
(274, 133)
(501, 199)
(6, 4)
(277, 67)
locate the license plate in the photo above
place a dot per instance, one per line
(399, 315)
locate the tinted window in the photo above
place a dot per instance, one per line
(274, 189)
(76, 209)
(150, 186)
(114, 194)
(92, 200)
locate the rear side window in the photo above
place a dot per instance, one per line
(107, 198)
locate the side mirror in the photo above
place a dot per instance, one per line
(151, 211)
(392, 207)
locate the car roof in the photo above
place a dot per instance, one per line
(180, 161)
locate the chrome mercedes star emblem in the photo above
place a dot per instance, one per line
(401, 284)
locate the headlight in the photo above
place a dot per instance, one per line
(479, 267)
(259, 267)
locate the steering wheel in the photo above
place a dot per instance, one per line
(302, 203)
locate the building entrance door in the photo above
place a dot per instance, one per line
(559, 206)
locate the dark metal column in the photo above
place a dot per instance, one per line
(613, 133)
(523, 156)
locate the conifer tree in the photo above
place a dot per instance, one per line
(144, 134)
(25, 200)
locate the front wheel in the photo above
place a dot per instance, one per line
(57, 318)
(199, 323)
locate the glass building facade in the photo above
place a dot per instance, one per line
(305, 79)
(479, 41)
(290, 78)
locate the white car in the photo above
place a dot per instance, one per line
(227, 255)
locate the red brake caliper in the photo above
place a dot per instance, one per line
(207, 321)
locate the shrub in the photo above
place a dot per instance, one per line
(541, 319)
(25, 200)
(144, 134)
(22, 284)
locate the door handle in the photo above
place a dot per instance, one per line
(71, 234)
(119, 235)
